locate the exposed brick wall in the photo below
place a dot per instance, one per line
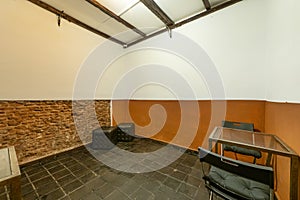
(41, 128)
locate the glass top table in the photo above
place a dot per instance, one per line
(251, 140)
(4, 160)
(10, 171)
(258, 141)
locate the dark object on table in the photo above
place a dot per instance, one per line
(240, 150)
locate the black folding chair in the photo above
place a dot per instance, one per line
(236, 180)
(240, 150)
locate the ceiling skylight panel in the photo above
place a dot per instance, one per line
(180, 9)
(118, 31)
(142, 18)
(216, 2)
(118, 6)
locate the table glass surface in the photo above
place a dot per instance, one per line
(248, 138)
(5, 169)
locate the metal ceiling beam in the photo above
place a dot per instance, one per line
(206, 4)
(195, 17)
(75, 21)
(155, 9)
(115, 16)
(207, 12)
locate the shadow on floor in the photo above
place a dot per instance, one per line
(77, 174)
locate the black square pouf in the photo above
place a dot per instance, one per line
(125, 132)
(104, 137)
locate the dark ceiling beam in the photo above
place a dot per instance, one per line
(207, 12)
(147, 37)
(115, 16)
(155, 9)
(206, 4)
(195, 17)
(74, 20)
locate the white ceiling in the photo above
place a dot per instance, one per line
(141, 17)
(180, 9)
(133, 11)
(118, 6)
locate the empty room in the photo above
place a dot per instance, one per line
(149, 99)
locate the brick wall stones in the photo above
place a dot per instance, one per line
(41, 128)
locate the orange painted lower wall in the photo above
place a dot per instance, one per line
(283, 119)
(185, 118)
(280, 119)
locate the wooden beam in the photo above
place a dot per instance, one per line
(206, 4)
(207, 12)
(147, 37)
(75, 21)
(195, 17)
(115, 16)
(155, 9)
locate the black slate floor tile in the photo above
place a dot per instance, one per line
(192, 180)
(152, 185)
(105, 190)
(92, 196)
(87, 177)
(80, 173)
(80, 193)
(72, 186)
(66, 179)
(95, 184)
(76, 174)
(25, 189)
(116, 194)
(129, 188)
(47, 188)
(56, 194)
(43, 181)
(172, 183)
(34, 170)
(142, 194)
(38, 176)
(188, 190)
(61, 173)
(50, 165)
(159, 176)
(56, 169)
(30, 196)
(178, 175)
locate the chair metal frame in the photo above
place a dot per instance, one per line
(254, 172)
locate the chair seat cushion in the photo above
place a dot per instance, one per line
(245, 187)
(244, 151)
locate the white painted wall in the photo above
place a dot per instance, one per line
(283, 51)
(38, 59)
(235, 39)
(253, 44)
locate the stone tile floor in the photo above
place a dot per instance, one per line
(77, 174)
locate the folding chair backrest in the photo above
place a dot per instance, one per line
(254, 172)
(238, 125)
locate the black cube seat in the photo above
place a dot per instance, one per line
(125, 132)
(104, 137)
